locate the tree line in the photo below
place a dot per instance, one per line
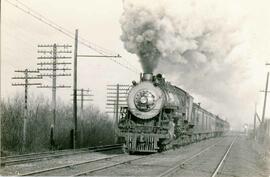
(94, 127)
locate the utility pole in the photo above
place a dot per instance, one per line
(26, 84)
(75, 90)
(254, 123)
(265, 97)
(76, 55)
(84, 95)
(116, 98)
(54, 53)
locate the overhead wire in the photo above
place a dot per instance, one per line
(96, 47)
(69, 34)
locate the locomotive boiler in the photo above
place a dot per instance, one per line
(160, 116)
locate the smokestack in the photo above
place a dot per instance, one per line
(147, 77)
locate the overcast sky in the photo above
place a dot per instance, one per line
(98, 22)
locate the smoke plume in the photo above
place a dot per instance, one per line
(187, 34)
(196, 44)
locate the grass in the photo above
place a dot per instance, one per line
(94, 127)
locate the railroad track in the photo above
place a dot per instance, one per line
(32, 157)
(220, 164)
(174, 169)
(86, 168)
(88, 172)
(93, 166)
(74, 168)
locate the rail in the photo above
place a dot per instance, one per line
(25, 158)
(223, 159)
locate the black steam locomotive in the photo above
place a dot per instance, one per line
(160, 116)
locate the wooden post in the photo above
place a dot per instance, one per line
(75, 90)
(50, 52)
(26, 85)
(117, 103)
(53, 95)
(25, 109)
(265, 97)
(82, 92)
(254, 124)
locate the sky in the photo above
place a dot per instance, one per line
(98, 21)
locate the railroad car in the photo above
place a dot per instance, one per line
(160, 116)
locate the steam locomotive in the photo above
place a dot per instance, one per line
(160, 116)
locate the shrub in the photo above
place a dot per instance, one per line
(94, 127)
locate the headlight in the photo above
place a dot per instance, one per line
(144, 100)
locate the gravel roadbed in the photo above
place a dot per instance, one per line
(157, 163)
(50, 163)
(244, 161)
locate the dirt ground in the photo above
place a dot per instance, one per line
(246, 159)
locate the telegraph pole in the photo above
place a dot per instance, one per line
(26, 84)
(265, 97)
(75, 90)
(116, 98)
(53, 54)
(84, 95)
(254, 121)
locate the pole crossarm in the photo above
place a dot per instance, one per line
(51, 51)
(54, 69)
(58, 86)
(120, 89)
(26, 70)
(26, 77)
(109, 101)
(99, 56)
(20, 84)
(112, 104)
(264, 91)
(57, 45)
(53, 75)
(83, 95)
(58, 57)
(51, 63)
(85, 100)
(121, 85)
(111, 108)
(84, 90)
(116, 96)
(122, 93)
